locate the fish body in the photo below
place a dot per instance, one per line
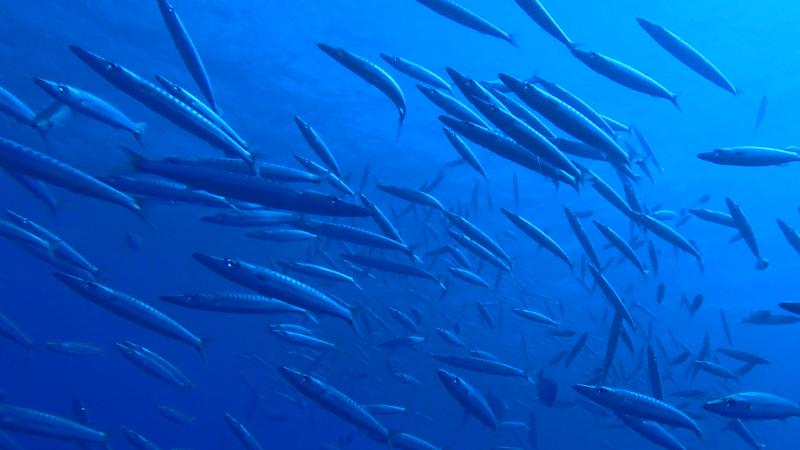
(154, 364)
(372, 74)
(450, 105)
(336, 402)
(750, 156)
(481, 365)
(536, 11)
(467, 18)
(231, 302)
(744, 227)
(166, 190)
(90, 105)
(26, 161)
(187, 50)
(30, 421)
(10, 330)
(416, 71)
(754, 406)
(468, 397)
(686, 54)
(130, 309)
(242, 434)
(624, 74)
(319, 146)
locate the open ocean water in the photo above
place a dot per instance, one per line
(481, 325)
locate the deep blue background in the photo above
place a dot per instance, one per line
(265, 68)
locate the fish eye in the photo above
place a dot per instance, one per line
(192, 297)
(333, 200)
(730, 402)
(62, 89)
(231, 264)
(305, 379)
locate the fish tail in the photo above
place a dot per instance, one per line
(674, 99)
(400, 125)
(513, 39)
(201, 348)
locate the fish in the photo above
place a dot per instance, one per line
(579, 344)
(743, 356)
(71, 348)
(336, 402)
(450, 105)
(206, 111)
(761, 113)
(416, 71)
(401, 342)
(272, 284)
(620, 244)
(750, 156)
(131, 309)
(351, 234)
(468, 276)
(753, 406)
(468, 397)
(154, 364)
(638, 405)
(391, 266)
(38, 188)
(34, 422)
(623, 74)
(272, 172)
(655, 375)
(412, 195)
(537, 12)
(669, 235)
(137, 440)
(90, 105)
(564, 116)
(164, 104)
(580, 234)
(718, 217)
(477, 235)
(652, 431)
(301, 339)
(790, 234)
(464, 151)
(17, 158)
(248, 188)
(10, 330)
(319, 146)
(611, 294)
(233, 302)
(575, 102)
(467, 18)
(372, 74)
(685, 53)
(186, 48)
(166, 190)
(256, 218)
(175, 415)
(743, 225)
(15, 108)
(716, 369)
(242, 434)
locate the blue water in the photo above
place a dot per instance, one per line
(265, 67)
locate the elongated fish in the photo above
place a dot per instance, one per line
(390, 266)
(469, 19)
(242, 434)
(59, 247)
(412, 195)
(170, 191)
(611, 294)
(754, 406)
(20, 159)
(274, 284)
(185, 46)
(137, 440)
(669, 235)
(15, 108)
(416, 71)
(790, 234)
(354, 235)
(652, 431)
(468, 397)
(539, 236)
(564, 116)
(163, 103)
(622, 245)
(450, 105)
(248, 188)
(638, 405)
(750, 156)
(536, 11)
(464, 151)
(336, 402)
(747, 232)
(154, 364)
(686, 54)
(30, 421)
(623, 74)
(580, 234)
(318, 145)
(372, 74)
(38, 188)
(91, 106)
(481, 365)
(131, 309)
(193, 102)
(71, 348)
(10, 330)
(233, 302)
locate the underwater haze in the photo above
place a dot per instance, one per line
(406, 224)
